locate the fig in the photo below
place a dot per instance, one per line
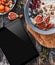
(47, 20)
(41, 26)
(12, 16)
(38, 19)
(50, 26)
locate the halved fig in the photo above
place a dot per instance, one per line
(12, 16)
(41, 26)
(50, 26)
(38, 19)
(47, 20)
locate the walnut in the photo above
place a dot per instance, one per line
(52, 13)
(45, 9)
(51, 6)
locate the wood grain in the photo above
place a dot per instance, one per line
(44, 40)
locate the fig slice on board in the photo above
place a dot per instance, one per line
(13, 16)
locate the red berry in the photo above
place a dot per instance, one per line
(43, 3)
(34, 4)
(31, 6)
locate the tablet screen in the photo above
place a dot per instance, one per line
(15, 49)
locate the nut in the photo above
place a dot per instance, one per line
(52, 13)
(21, 16)
(51, 6)
(45, 9)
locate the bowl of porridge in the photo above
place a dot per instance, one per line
(40, 14)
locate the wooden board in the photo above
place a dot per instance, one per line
(45, 40)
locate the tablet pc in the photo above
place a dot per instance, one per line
(17, 51)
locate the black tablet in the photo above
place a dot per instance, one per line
(17, 51)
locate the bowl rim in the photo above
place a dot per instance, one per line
(51, 31)
(10, 8)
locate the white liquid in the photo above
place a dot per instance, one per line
(47, 6)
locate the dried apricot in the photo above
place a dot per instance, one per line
(1, 8)
(7, 9)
